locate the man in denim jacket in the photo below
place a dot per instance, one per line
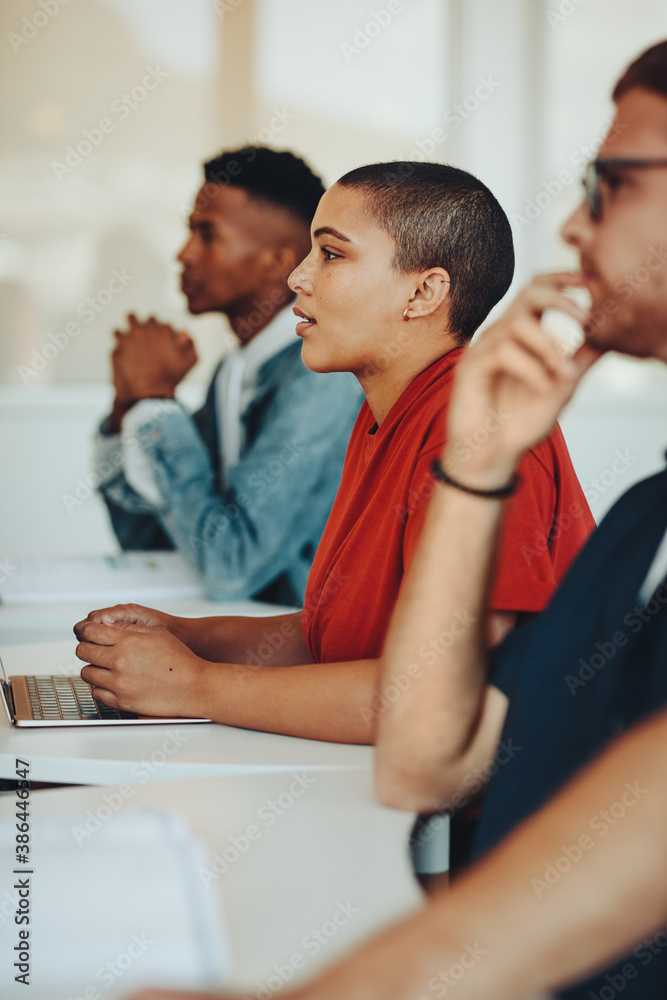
(244, 487)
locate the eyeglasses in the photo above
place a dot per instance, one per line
(596, 170)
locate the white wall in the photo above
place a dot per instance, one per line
(46, 462)
(124, 206)
(616, 436)
(616, 428)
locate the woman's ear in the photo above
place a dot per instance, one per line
(431, 292)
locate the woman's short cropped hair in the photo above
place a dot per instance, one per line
(440, 216)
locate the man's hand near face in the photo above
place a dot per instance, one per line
(517, 371)
(149, 361)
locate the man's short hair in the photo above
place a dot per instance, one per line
(648, 71)
(440, 216)
(280, 178)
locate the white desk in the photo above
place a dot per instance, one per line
(334, 844)
(139, 754)
(46, 622)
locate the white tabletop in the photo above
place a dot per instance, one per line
(108, 755)
(334, 845)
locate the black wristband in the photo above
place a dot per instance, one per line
(500, 494)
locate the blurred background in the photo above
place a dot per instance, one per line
(516, 91)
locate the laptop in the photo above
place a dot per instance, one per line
(47, 700)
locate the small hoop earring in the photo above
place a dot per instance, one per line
(405, 315)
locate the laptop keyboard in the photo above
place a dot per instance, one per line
(68, 698)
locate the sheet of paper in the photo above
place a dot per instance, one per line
(111, 911)
(128, 577)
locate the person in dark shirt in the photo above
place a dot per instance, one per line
(556, 692)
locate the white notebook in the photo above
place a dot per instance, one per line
(118, 910)
(128, 577)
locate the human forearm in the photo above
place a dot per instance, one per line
(529, 935)
(444, 719)
(274, 641)
(145, 668)
(435, 653)
(510, 938)
(313, 701)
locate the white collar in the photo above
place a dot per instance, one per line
(656, 574)
(280, 333)
(236, 383)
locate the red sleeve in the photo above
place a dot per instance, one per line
(422, 488)
(525, 574)
(526, 577)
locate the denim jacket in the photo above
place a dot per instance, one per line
(257, 535)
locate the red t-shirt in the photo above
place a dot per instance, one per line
(378, 514)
